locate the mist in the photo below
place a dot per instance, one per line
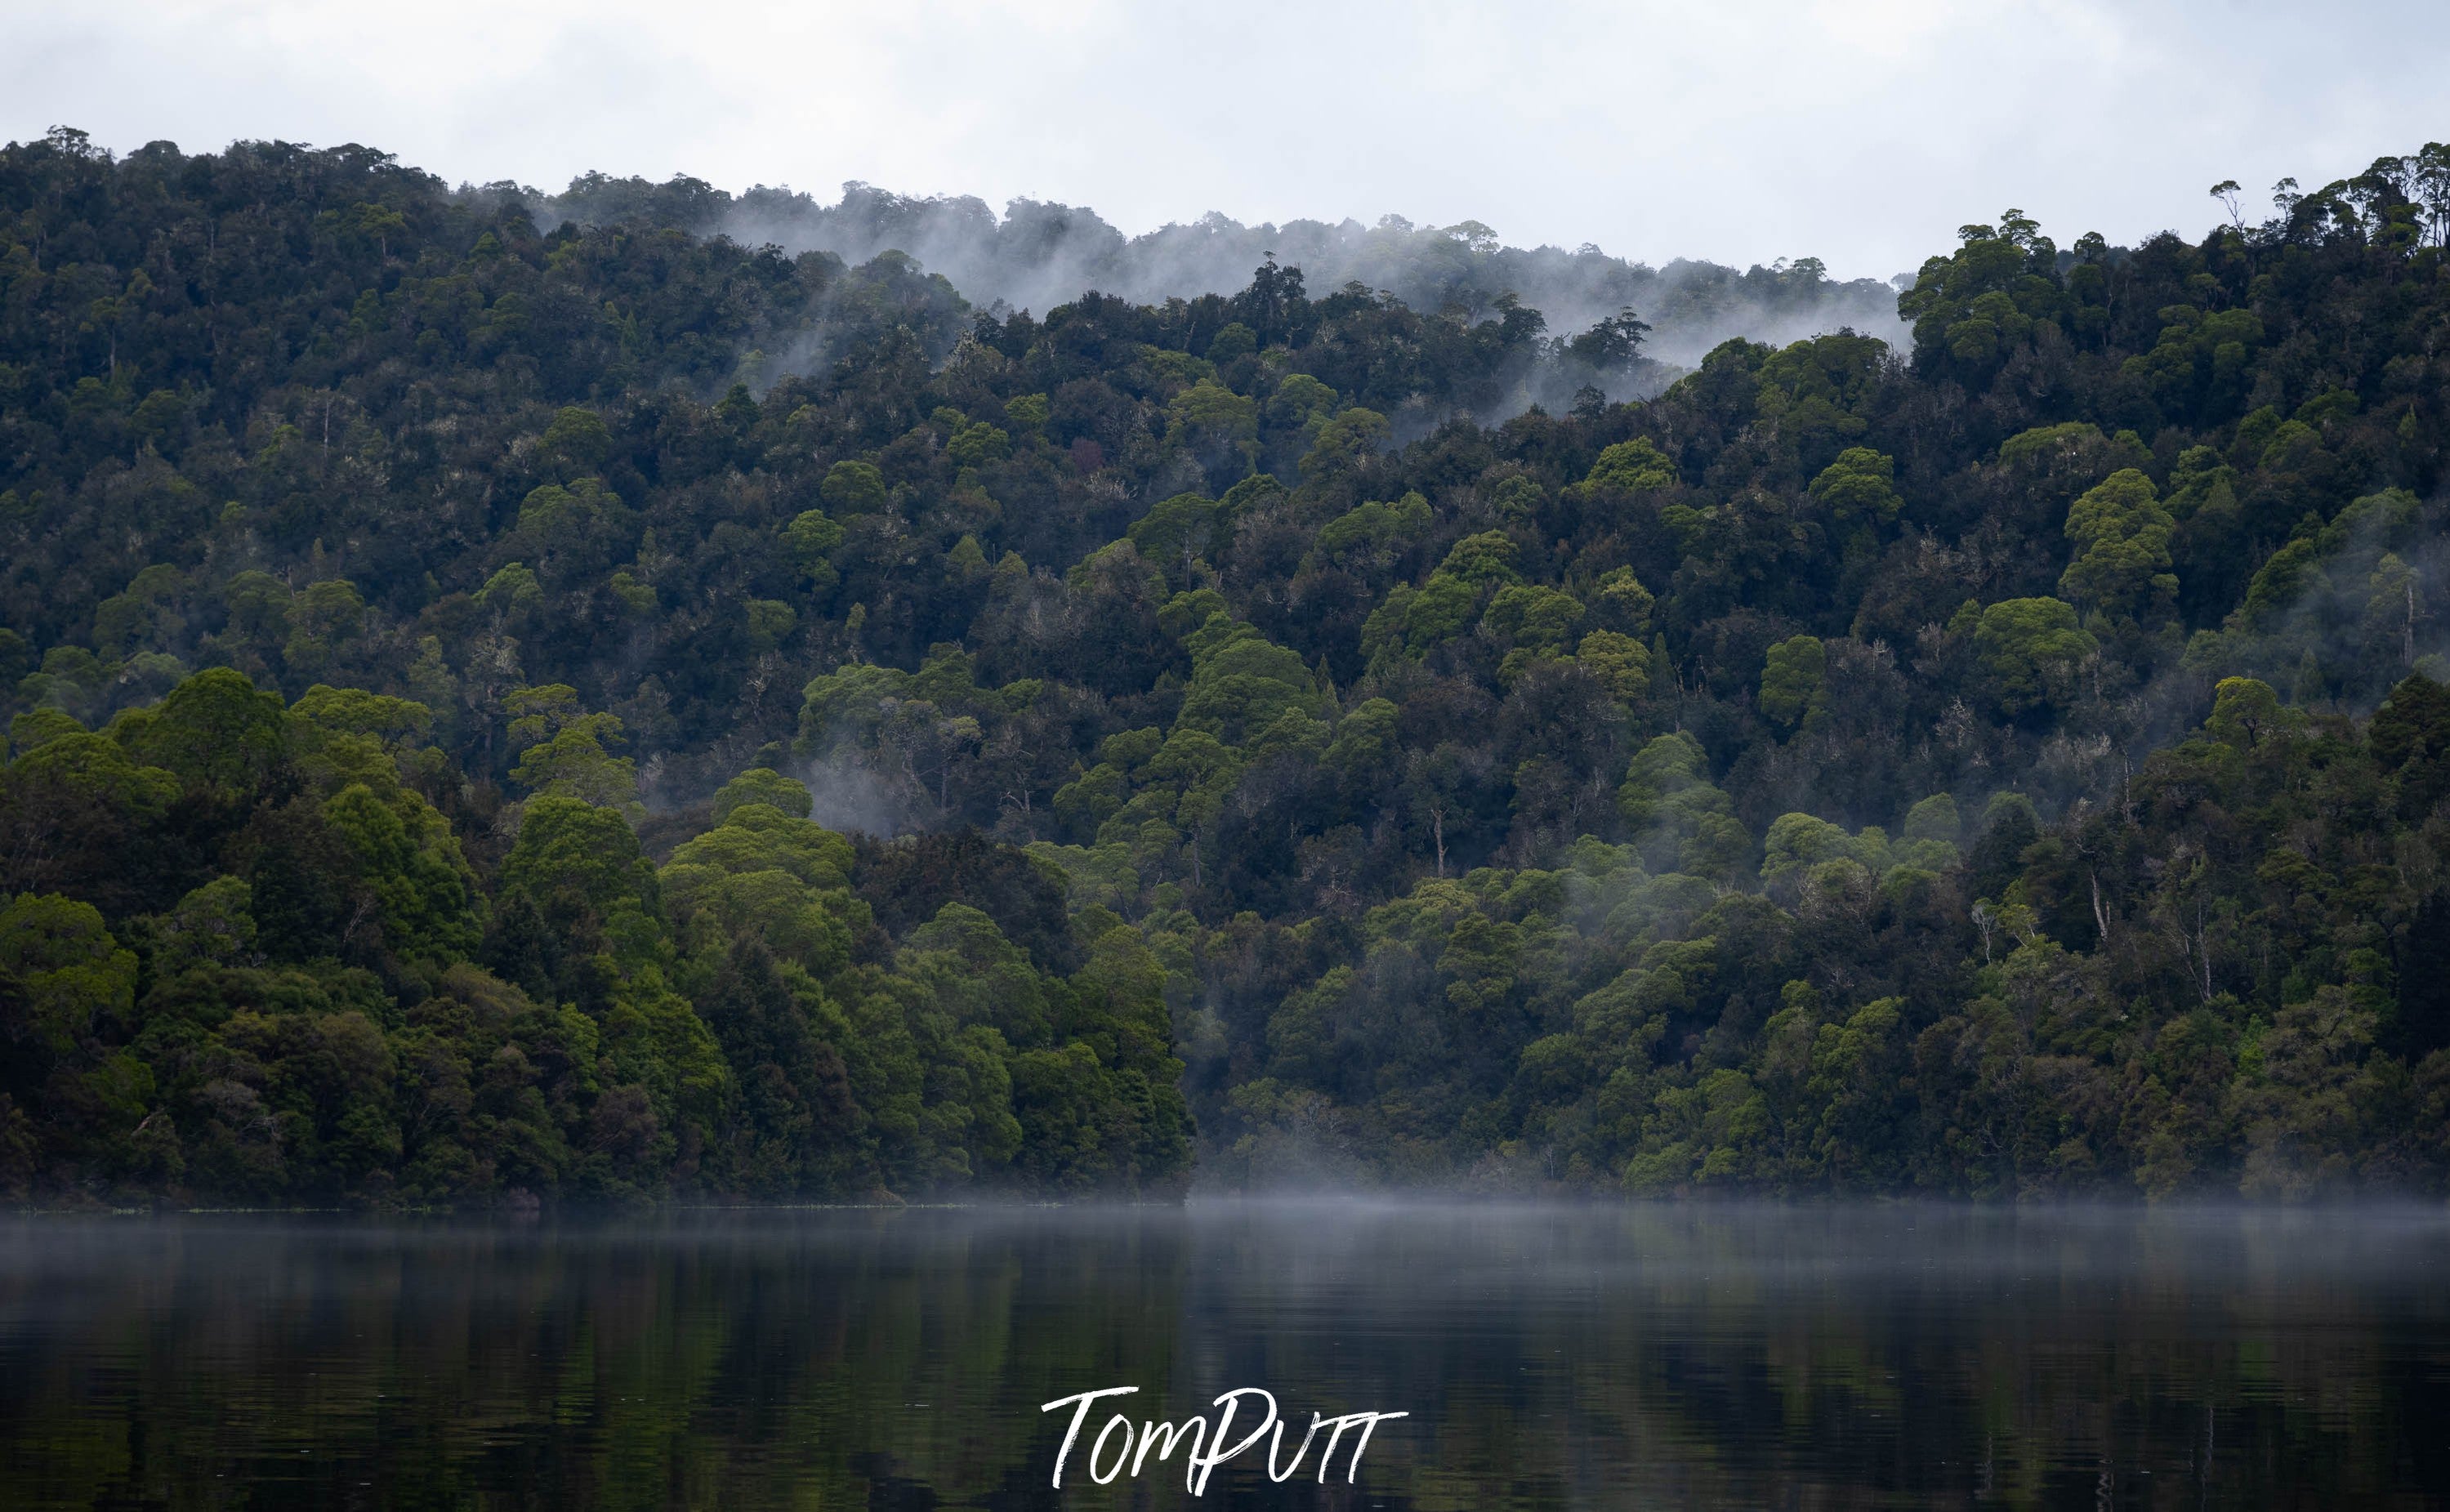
(1653, 1355)
(1039, 254)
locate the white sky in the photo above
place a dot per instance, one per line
(1861, 131)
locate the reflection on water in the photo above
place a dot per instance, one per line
(1548, 1357)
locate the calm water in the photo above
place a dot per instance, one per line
(1646, 1357)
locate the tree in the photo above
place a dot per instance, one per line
(563, 752)
(2031, 648)
(1859, 488)
(1629, 467)
(854, 488)
(1613, 343)
(69, 980)
(576, 862)
(2122, 564)
(1790, 679)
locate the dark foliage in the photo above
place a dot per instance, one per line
(2014, 764)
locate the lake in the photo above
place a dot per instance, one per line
(1654, 1356)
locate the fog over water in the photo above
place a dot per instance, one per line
(1686, 1355)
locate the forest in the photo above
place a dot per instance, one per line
(1039, 255)
(508, 707)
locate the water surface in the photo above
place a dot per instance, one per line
(1548, 1357)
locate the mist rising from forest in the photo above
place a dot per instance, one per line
(2011, 761)
(1038, 255)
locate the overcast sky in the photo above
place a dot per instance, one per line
(1861, 131)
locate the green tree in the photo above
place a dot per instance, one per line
(2122, 564)
(1859, 488)
(2033, 650)
(1790, 679)
(563, 752)
(1630, 467)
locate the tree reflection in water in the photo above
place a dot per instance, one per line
(1653, 1356)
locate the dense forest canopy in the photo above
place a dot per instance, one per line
(1037, 255)
(605, 711)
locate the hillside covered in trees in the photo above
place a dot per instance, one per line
(606, 712)
(1036, 255)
